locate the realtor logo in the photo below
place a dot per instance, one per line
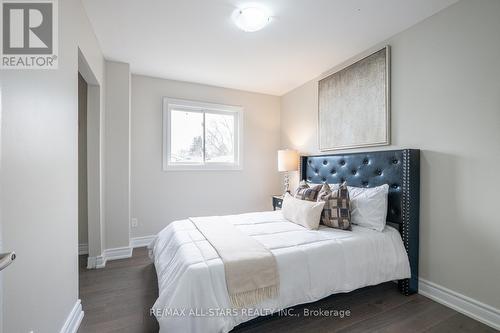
(29, 34)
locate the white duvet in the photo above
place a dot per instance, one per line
(312, 265)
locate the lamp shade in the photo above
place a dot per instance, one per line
(288, 160)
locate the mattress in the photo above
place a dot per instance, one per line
(312, 264)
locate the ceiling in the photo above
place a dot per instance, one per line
(196, 41)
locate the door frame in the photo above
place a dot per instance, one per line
(95, 158)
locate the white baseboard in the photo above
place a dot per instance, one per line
(96, 262)
(115, 253)
(74, 319)
(118, 253)
(108, 255)
(141, 241)
(83, 249)
(470, 307)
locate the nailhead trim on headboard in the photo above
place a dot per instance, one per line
(410, 217)
(404, 284)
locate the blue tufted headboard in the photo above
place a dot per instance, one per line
(400, 169)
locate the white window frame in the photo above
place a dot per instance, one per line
(170, 104)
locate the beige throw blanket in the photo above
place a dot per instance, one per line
(250, 268)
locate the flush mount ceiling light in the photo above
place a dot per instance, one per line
(251, 18)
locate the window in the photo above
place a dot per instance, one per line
(201, 136)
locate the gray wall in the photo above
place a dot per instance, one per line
(159, 197)
(445, 101)
(39, 189)
(117, 155)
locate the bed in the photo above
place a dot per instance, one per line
(312, 264)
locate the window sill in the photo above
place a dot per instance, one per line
(193, 167)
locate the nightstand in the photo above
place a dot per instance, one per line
(277, 201)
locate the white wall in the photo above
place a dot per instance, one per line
(39, 180)
(159, 197)
(445, 101)
(117, 160)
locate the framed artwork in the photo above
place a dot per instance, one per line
(354, 104)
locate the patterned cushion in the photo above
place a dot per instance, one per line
(336, 212)
(304, 192)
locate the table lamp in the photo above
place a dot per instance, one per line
(288, 160)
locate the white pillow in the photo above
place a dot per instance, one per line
(369, 206)
(302, 212)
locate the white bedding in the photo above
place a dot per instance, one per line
(312, 264)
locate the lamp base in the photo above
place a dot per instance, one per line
(286, 183)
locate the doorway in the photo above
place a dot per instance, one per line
(83, 228)
(90, 167)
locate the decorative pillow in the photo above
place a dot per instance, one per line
(333, 187)
(302, 212)
(369, 206)
(336, 212)
(304, 192)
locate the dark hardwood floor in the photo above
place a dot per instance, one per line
(118, 297)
